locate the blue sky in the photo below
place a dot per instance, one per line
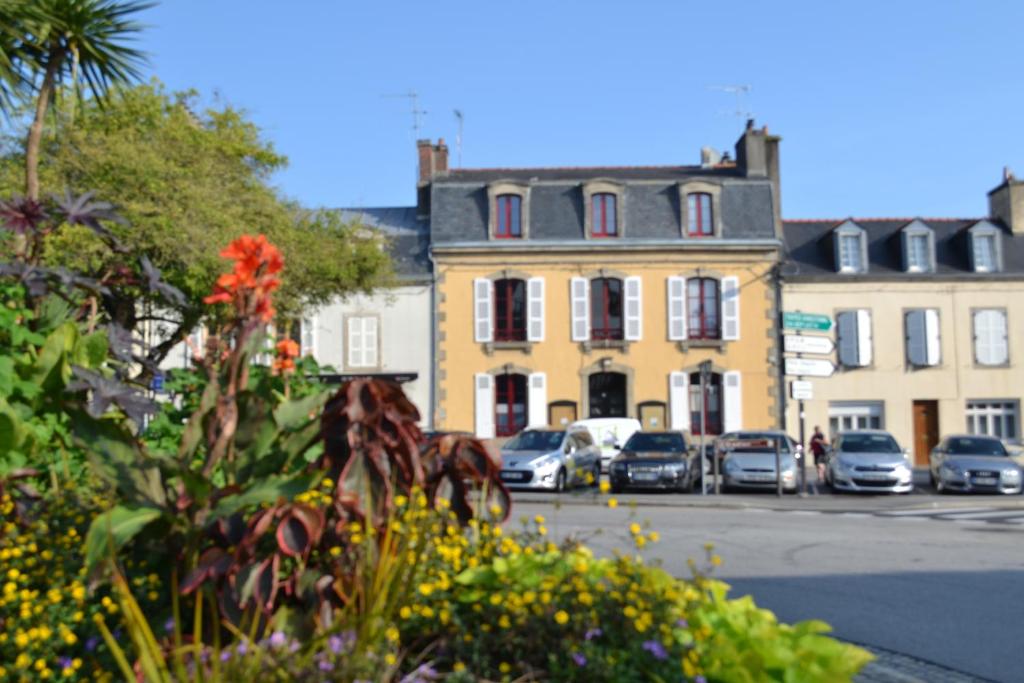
(885, 108)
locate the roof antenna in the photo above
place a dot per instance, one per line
(414, 101)
(458, 137)
(740, 91)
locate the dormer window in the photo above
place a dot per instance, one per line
(701, 216)
(509, 216)
(918, 248)
(851, 252)
(603, 215)
(700, 209)
(985, 248)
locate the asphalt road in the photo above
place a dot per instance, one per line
(937, 578)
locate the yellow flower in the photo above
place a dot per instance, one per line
(503, 621)
(405, 612)
(504, 667)
(391, 634)
(539, 519)
(634, 528)
(716, 560)
(604, 486)
(426, 589)
(654, 536)
(561, 617)
(613, 503)
(458, 667)
(389, 659)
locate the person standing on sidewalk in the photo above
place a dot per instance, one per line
(818, 446)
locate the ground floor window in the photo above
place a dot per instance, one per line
(711, 402)
(997, 418)
(845, 416)
(607, 394)
(509, 404)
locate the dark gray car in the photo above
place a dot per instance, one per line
(550, 459)
(973, 464)
(652, 460)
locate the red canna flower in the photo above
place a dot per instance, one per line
(251, 281)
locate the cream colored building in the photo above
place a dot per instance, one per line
(927, 319)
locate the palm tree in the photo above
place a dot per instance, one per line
(17, 17)
(70, 40)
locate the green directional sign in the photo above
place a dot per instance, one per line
(806, 321)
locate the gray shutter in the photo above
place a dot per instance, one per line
(580, 303)
(917, 339)
(846, 331)
(535, 309)
(633, 309)
(730, 308)
(483, 329)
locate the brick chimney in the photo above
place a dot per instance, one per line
(433, 162)
(757, 156)
(1006, 202)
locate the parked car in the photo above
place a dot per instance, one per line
(869, 461)
(973, 464)
(609, 434)
(748, 460)
(550, 459)
(652, 460)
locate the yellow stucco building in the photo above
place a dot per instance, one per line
(569, 293)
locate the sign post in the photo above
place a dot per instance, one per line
(705, 375)
(816, 322)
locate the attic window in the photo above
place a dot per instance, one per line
(851, 251)
(918, 248)
(985, 248)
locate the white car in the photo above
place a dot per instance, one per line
(609, 434)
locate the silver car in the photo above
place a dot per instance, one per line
(869, 461)
(550, 459)
(973, 464)
(748, 460)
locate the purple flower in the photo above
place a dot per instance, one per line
(579, 658)
(242, 648)
(700, 679)
(656, 649)
(65, 662)
(336, 644)
(225, 655)
(324, 665)
(91, 643)
(169, 625)
(593, 633)
(278, 639)
(682, 623)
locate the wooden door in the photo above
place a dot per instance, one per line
(561, 414)
(652, 415)
(926, 430)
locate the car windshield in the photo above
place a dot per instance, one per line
(535, 441)
(968, 445)
(753, 442)
(869, 443)
(655, 442)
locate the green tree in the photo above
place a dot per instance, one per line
(189, 180)
(49, 43)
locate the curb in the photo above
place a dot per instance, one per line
(895, 667)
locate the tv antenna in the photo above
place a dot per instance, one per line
(458, 136)
(414, 103)
(740, 91)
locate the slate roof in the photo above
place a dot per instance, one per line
(809, 252)
(459, 211)
(409, 237)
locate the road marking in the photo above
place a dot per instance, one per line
(991, 515)
(855, 514)
(929, 511)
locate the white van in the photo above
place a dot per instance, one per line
(609, 433)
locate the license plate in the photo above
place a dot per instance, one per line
(645, 476)
(760, 477)
(986, 481)
(873, 475)
(512, 476)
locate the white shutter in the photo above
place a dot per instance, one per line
(933, 337)
(733, 403)
(370, 342)
(676, 308)
(846, 331)
(355, 342)
(1000, 349)
(484, 404)
(633, 305)
(535, 309)
(307, 328)
(483, 328)
(537, 399)
(864, 338)
(990, 343)
(580, 295)
(679, 400)
(730, 308)
(917, 345)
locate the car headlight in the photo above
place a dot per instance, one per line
(1011, 475)
(951, 468)
(619, 467)
(788, 465)
(545, 463)
(730, 466)
(844, 466)
(675, 467)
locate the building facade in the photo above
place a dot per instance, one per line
(925, 313)
(571, 293)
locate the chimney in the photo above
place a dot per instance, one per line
(757, 156)
(1006, 202)
(709, 157)
(433, 162)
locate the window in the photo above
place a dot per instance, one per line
(701, 221)
(603, 215)
(509, 216)
(606, 309)
(844, 417)
(918, 254)
(922, 337)
(510, 404)
(711, 402)
(990, 343)
(853, 332)
(509, 310)
(703, 308)
(993, 418)
(849, 254)
(984, 253)
(362, 342)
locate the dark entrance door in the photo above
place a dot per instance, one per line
(926, 429)
(607, 394)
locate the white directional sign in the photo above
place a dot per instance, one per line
(809, 367)
(801, 390)
(798, 343)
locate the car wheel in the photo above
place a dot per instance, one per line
(560, 480)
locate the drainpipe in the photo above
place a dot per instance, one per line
(435, 374)
(778, 281)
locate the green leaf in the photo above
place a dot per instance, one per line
(111, 530)
(265, 491)
(116, 457)
(11, 431)
(91, 350)
(51, 369)
(193, 432)
(296, 413)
